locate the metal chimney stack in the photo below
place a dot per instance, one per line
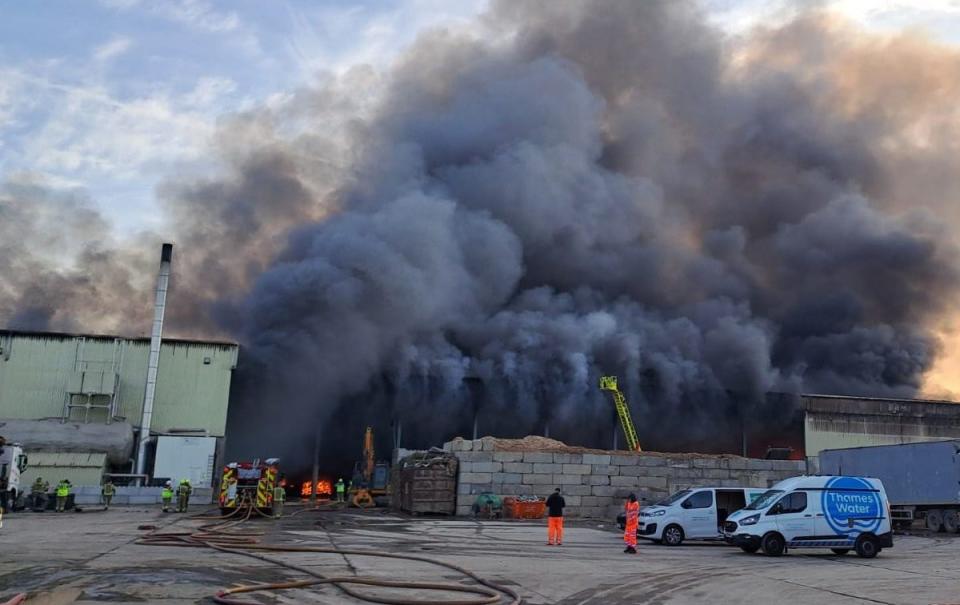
(156, 336)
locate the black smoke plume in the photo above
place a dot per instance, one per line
(566, 189)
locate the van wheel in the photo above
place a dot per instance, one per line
(867, 546)
(750, 549)
(673, 535)
(840, 551)
(935, 520)
(773, 545)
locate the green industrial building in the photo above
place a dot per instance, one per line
(73, 400)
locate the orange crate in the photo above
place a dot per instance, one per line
(528, 510)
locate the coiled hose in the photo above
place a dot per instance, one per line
(218, 537)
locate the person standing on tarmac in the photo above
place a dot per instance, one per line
(167, 496)
(630, 529)
(555, 504)
(279, 497)
(107, 492)
(38, 494)
(183, 495)
(341, 489)
(63, 492)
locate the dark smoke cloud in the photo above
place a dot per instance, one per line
(575, 188)
(60, 267)
(604, 189)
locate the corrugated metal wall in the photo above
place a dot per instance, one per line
(80, 469)
(840, 422)
(193, 387)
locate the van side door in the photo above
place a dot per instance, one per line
(794, 516)
(700, 515)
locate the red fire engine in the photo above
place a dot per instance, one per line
(249, 484)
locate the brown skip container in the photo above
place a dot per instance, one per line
(428, 485)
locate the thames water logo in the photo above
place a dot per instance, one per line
(851, 506)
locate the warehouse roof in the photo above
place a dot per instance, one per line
(839, 404)
(42, 334)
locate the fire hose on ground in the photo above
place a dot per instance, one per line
(216, 536)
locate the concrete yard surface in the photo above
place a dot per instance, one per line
(93, 557)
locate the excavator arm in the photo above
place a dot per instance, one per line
(609, 383)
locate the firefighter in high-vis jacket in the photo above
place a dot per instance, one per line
(63, 492)
(167, 496)
(107, 492)
(38, 494)
(183, 495)
(279, 497)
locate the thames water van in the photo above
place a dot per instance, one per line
(839, 513)
(692, 514)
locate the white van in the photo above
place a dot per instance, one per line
(838, 513)
(692, 514)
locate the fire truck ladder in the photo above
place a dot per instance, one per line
(609, 383)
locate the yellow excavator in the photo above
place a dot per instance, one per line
(370, 478)
(609, 383)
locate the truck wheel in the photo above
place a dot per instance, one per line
(750, 549)
(840, 551)
(951, 521)
(866, 546)
(672, 535)
(773, 545)
(935, 520)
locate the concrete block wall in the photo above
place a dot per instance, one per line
(595, 485)
(89, 495)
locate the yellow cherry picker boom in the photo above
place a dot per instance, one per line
(609, 383)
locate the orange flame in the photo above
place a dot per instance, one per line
(324, 488)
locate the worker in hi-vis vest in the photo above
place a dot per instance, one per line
(63, 492)
(167, 496)
(632, 509)
(341, 489)
(107, 492)
(183, 495)
(279, 496)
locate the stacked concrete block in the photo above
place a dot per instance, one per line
(595, 485)
(89, 495)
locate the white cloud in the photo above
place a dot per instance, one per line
(114, 48)
(199, 14)
(209, 90)
(339, 38)
(941, 18)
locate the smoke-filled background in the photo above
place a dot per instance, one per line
(556, 191)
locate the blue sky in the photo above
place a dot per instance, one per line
(111, 96)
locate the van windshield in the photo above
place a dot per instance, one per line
(765, 500)
(672, 499)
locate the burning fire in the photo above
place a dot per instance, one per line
(324, 488)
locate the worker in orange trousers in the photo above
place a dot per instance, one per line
(630, 529)
(555, 504)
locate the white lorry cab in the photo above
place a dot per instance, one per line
(12, 463)
(839, 513)
(697, 513)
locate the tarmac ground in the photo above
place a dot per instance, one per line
(94, 557)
